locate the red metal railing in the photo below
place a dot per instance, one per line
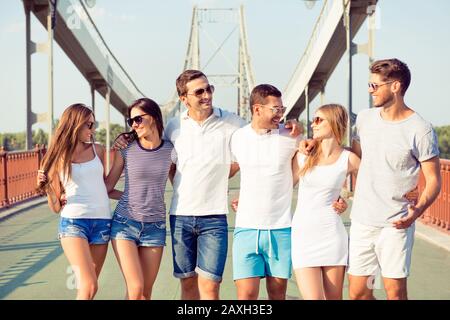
(438, 214)
(18, 172)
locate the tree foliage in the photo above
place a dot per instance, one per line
(443, 134)
(115, 130)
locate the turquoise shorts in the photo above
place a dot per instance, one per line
(261, 253)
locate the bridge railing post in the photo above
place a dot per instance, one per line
(3, 178)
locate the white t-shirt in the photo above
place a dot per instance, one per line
(390, 165)
(203, 161)
(265, 161)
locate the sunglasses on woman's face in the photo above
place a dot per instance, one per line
(317, 120)
(90, 125)
(199, 92)
(138, 119)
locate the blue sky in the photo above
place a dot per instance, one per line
(149, 38)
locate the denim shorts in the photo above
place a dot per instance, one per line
(95, 231)
(261, 253)
(199, 245)
(144, 234)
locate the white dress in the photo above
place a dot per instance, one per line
(319, 237)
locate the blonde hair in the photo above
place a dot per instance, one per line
(59, 155)
(337, 117)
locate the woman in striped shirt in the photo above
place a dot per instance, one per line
(138, 230)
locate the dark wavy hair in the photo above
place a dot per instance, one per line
(151, 108)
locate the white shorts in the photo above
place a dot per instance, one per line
(385, 248)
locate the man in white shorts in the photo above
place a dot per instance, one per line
(395, 144)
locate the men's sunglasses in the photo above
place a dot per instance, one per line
(375, 86)
(201, 91)
(275, 109)
(138, 119)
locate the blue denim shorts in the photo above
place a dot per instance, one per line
(144, 234)
(95, 231)
(261, 253)
(199, 245)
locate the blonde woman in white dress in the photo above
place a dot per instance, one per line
(319, 239)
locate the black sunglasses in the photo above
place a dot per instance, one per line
(201, 91)
(138, 119)
(317, 120)
(90, 125)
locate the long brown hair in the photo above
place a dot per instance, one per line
(59, 155)
(337, 117)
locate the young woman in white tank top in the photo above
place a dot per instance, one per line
(73, 169)
(319, 239)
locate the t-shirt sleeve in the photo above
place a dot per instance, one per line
(233, 148)
(168, 130)
(173, 155)
(356, 133)
(427, 146)
(123, 152)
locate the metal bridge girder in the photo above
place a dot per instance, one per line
(244, 77)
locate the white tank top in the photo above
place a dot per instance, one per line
(320, 187)
(87, 197)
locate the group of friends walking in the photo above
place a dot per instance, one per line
(199, 150)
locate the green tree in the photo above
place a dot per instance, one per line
(40, 137)
(443, 134)
(115, 130)
(13, 141)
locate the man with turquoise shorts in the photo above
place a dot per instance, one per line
(263, 150)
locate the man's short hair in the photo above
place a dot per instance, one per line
(393, 69)
(261, 92)
(184, 78)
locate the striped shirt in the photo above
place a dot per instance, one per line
(146, 173)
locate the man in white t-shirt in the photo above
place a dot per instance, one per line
(264, 151)
(395, 144)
